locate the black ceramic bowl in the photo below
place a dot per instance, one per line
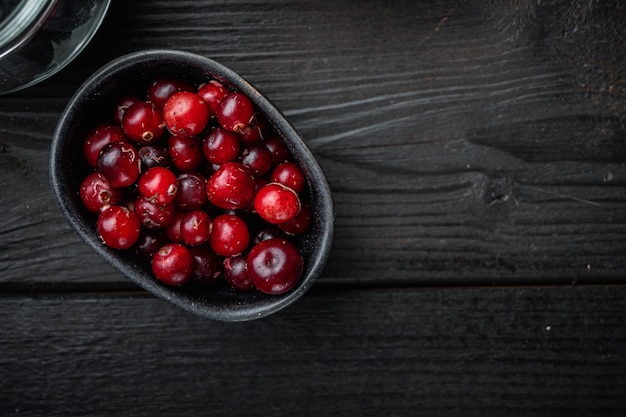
(94, 100)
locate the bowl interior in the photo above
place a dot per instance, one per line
(93, 103)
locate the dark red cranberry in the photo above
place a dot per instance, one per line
(143, 122)
(119, 163)
(207, 265)
(229, 236)
(161, 89)
(191, 191)
(122, 105)
(153, 215)
(97, 194)
(255, 131)
(185, 114)
(195, 227)
(257, 158)
(275, 266)
(289, 174)
(280, 152)
(220, 146)
(212, 93)
(231, 186)
(154, 156)
(186, 152)
(158, 185)
(173, 264)
(269, 231)
(276, 203)
(299, 224)
(235, 112)
(173, 230)
(149, 242)
(118, 227)
(236, 273)
(97, 138)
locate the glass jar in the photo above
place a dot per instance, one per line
(39, 37)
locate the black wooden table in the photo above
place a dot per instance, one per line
(477, 156)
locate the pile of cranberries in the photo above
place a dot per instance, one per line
(195, 181)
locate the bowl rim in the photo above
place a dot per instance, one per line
(324, 211)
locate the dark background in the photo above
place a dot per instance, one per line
(476, 151)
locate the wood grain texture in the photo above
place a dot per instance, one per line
(461, 352)
(466, 142)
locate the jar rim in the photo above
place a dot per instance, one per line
(22, 23)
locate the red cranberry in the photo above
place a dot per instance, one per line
(185, 114)
(143, 122)
(275, 266)
(255, 131)
(220, 146)
(212, 93)
(236, 273)
(154, 156)
(99, 137)
(235, 112)
(163, 88)
(186, 152)
(289, 174)
(152, 215)
(159, 185)
(97, 194)
(280, 152)
(299, 224)
(276, 203)
(230, 235)
(118, 227)
(231, 186)
(257, 158)
(191, 191)
(119, 163)
(207, 265)
(122, 105)
(173, 264)
(195, 227)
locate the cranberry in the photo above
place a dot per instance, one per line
(154, 156)
(257, 158)
(159, 185)
(152, 215)
(195, 227)
(97, 193)
(185, 114)
(122, 105)
(163, 88)
(173, 264)
(119, 163)
(231, 186)
(207, 265)
(236, 273)
(173, 230)
(299, 224)
(289, 174)
(149, 242)
(235, 111)
(230, 235)
(255, 131)
(212, 93)
(268, 232)
(118, 227)
(275, 266)
(191, 191)
(143, 122)
(280, 152)
(99, 137)
(186, 152)
(276, 203)
(220, 146)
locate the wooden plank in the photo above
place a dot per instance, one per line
(480, 352)
(466, 143)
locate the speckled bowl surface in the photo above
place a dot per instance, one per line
(67, 169)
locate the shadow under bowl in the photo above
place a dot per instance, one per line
(95, 99)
